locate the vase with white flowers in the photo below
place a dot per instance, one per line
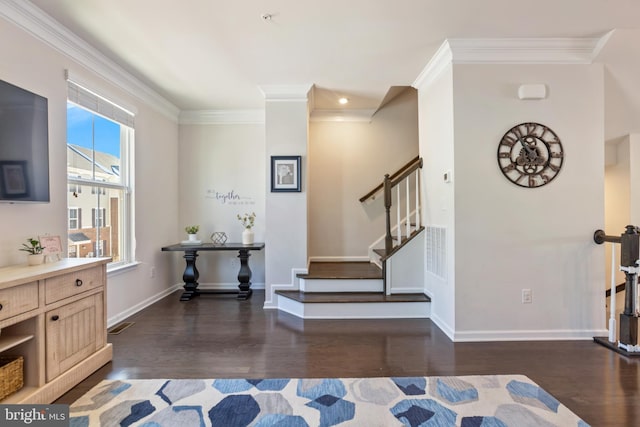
(247, 220)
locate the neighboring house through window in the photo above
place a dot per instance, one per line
(99, 152)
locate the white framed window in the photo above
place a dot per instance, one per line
(74, 218)
(98, 216)
(100, 138)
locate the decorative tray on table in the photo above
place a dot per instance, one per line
(191, 242)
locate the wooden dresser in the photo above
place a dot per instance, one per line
(54, 315)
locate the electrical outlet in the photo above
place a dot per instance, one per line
(527, 297)
(152, 272)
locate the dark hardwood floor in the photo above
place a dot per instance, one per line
(217, 336)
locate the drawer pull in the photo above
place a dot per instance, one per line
(78, 282)
(0, 306)
(55, 317)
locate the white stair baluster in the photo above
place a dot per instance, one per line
(612, 302)
(417, 199)
(408, 212)
(398, 228)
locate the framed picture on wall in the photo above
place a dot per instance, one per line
(285, 174)
(13, 175)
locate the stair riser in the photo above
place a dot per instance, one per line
(341, 285)
(387, 310)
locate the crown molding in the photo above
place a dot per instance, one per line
(510, 51)
(524, 50)
(602, 42)
(222, 117)
(342, 115)
(34, 21)
(436, 65)
(287, 92)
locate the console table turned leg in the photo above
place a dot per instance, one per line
(244, 275)
(190, 276)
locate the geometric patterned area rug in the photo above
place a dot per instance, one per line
(468, 401)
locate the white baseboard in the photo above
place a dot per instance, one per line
(114, 320)
(341, 285)
(270, 300)
(407, 291)
(517, 335)
(529, 335)
(400, 310)
(443, 326)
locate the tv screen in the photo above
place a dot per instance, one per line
(24, 145)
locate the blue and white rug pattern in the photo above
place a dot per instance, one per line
(470, 401)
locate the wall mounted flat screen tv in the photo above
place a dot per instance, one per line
(24, 145)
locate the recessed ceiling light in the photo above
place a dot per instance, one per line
(343, 100)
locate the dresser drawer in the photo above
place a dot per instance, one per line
(67, 285)
(18, 300)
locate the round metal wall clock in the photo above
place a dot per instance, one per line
(530, 155)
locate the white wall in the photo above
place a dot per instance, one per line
(286, 214)
(405, 270)
(621, 58)
(222, 174)
(35, 66)
(622, 204)
(31, 65)
(617, 198)
(510, 238)
(435, 98)
(346, 161)
(634, 179)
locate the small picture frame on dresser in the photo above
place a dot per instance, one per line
(52, 248)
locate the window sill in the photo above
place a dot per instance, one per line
(121, 268)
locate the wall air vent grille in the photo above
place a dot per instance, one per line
(436, 251)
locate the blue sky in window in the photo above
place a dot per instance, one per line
(107, 133)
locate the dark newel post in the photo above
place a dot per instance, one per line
(388, 242)
(629, 254)
(244, 275)
(190, 276)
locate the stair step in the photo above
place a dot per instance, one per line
(352, 297)
(342, 270)
(354, 305)
(380, 252)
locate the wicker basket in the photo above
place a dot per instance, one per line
(11, 379)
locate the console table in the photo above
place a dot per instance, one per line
(191, 273)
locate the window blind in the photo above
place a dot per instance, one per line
(90, 100)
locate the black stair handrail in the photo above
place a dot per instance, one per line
(394, 175)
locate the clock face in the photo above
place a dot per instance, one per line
(530, 155)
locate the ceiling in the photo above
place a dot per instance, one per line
(215, 55)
